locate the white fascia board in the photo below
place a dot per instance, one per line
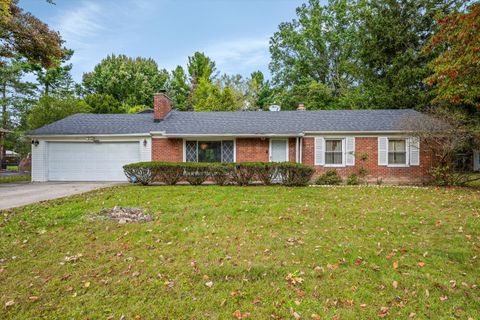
(356, 133)
(69, 136)
(241, 135)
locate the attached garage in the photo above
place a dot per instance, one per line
(86, 161)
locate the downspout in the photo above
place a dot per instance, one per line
(300, 156)
(296, 149)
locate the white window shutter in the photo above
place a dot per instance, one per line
(382, 151)
(350, 151)
(319, 151)
(414, 147)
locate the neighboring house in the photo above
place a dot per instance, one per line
(87, 147)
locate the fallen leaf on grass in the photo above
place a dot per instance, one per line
(363, 305)
(256, 301)
(9, 303)
(87, 284)
(383, 312)
(421, 264)
(443, 298)
(315, 316)
(135, 274)
(239, 315)
(33, 298)
(209, 284)
(395, 264)
(395, 284)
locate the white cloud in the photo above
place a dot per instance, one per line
(77, 25)
(238, 54)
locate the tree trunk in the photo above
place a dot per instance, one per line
(4, 122)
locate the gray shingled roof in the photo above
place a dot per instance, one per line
(242, 122)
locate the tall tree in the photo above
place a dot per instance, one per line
(15, 95)
(260, 89)
(132, 81)
(178, 89)
(315, 47)
(56, 80)
(211, 97)
(391, 64)
(199, 67)
(22, 34)
(51, 109)
(456, 71)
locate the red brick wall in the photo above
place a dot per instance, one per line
(252, 149)
(167, 150)
(369, 145)
(291, 149)
(256, 149)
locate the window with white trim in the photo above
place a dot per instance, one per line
(333, 151)
(209, 151)
(397, 151)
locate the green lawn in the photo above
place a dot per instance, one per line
(268, 252)
(11, 179)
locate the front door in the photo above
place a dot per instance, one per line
(278, 150)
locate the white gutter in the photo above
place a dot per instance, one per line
(356, 132)
(88, 135)
(247, 135)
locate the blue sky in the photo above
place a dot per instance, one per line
(235, 33)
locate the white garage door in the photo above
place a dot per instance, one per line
(80, 161)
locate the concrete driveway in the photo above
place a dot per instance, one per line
(19, 194)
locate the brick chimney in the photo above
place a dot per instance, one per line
(161, 106)
(301, 107)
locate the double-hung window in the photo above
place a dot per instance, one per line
(397, 151)
(334, 152)
(209, 151)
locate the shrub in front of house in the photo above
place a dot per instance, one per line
(331, 177)
(286, 173)
(294, 174)
(196, 173)
(353, 180)
(141, 172)
(244, 173)
(222, 173)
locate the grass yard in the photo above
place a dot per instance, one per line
(259, 252)
(11, 179)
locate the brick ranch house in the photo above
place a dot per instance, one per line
(94, 147)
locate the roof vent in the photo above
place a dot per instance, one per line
(274, 107)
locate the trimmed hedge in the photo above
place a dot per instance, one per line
(244, 173)
(331, 177)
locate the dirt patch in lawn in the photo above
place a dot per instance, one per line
(126, 215)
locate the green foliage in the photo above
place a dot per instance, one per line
(23, 35)
(137, 109)
(331, 177)
(12, 179)
(314, 95)
(353, 180)
(103, 103)
(201, 67)
(210, 97)
(366, 54)
(131, 81)
(456, 71)
(178, 89)
(55, 80)
(51, 109)
(288, 173)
